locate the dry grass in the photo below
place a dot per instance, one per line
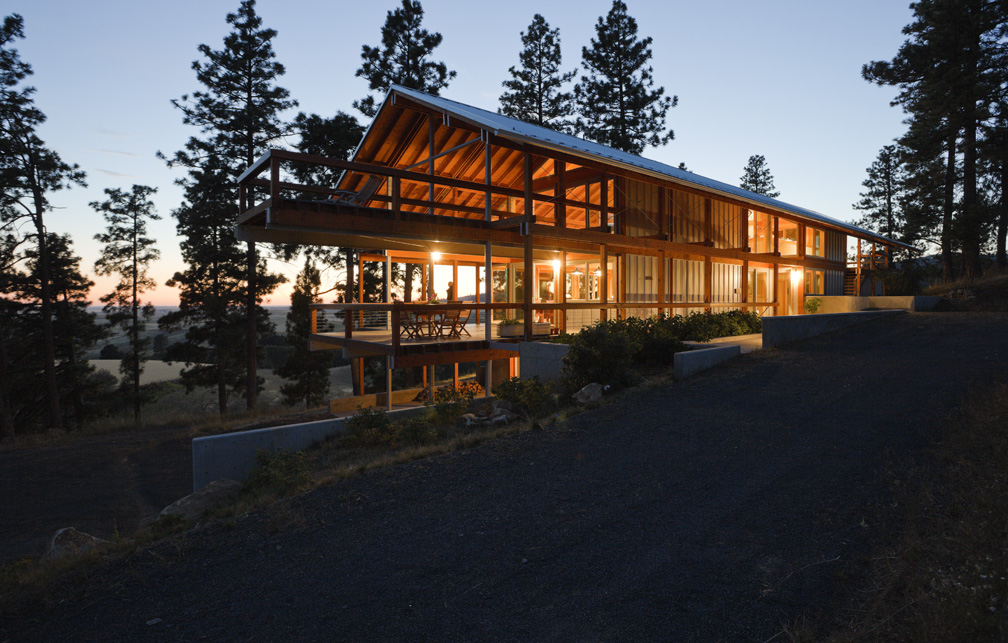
(944, 580)
(991, 292)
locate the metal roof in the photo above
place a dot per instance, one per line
(522, 132)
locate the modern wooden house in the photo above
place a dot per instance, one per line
(570, 232)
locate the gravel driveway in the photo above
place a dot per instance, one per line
(720, 508)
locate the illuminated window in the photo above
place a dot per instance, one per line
(814, 282)
(787, 238)
(814, 242)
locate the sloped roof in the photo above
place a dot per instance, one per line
(522, 132)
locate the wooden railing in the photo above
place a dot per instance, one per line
(388, 315)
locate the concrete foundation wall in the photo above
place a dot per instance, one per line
(689, 363)
(783, 330)
(845, 304)
(540, 359)
(233, 455)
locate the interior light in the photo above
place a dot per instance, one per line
(435, 256)
(556, 265)
(578, 272)
(598, 272)
(795, 276)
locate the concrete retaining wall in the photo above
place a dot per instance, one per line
(845, 304)
(233, 455)
(689, 363)
(783, 330)
(541, 359)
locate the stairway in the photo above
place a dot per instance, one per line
(850, 282)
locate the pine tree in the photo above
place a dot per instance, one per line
(756, 177)
(534, 93)
(403, 58)
(616, 101)
(946, 75)
(307, 372)
(880, 202)
(238, 112)
(75, 330)
(29, 171)
(334, 138)
(127, 252)
(212, 286)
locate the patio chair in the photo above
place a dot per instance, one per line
(454, 323)
(409, 326)
(362, 196)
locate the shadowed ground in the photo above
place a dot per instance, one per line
(718, 508)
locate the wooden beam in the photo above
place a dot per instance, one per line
(528, 276)
(560, 192)
(603, 279)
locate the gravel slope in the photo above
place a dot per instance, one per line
(715, 509)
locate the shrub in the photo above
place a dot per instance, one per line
(532, 396)
(812, 305)
(369, 427)
(605, 353)
(449, 404)
(281, 472)
(416, 430)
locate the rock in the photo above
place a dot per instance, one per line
(68, 542)
(194, 505)
(589, 394)
(468, 419)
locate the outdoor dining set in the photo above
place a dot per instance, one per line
(448, 324)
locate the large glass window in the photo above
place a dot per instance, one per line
(814, 242)
(814, 282)
(760, 232)
(584, 281)
(787, 233)
(760, 289)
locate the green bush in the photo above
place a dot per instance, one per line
(812, 305)
(605, 353)
(416, 430)
(449, 404)
(282, 472)
(369, 427)
(532, 396)
(609, 352)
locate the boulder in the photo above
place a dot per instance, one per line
(194, 505)
(467, 419)
(69, 542)
(589, 394)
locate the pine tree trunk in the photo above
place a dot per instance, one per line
(948, 270)
(48, 337)
(251, 382)
(6, 417)
(75, 382)
(971, 231)
(135, 332)
(1002, 227)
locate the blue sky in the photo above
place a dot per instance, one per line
(778, 78)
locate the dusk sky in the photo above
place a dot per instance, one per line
(779, 78)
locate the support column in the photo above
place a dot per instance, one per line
(388, 288)
(603, 281)
(560, 194)
(661, 279)
(529, 268)
(561, 295)
(745, 284)
(488, 318)
(430, 164)
(388, 383)
(708, 275)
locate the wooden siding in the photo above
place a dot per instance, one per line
(726, 225)
(687, 217)
(836, 247)
(641, 209)
(726, 284)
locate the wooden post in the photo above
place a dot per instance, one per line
(561, 295)
(603, 280)
(388, 383)
(708, 226)
(396, 196)
(661, 279)
(529, 284)
(604, 202)
(707, 278)
(529, 268)
(745, 284)
(560, 194)
(488, 290)
(621, 271)
(388, 288)
(360, 286)
(801, 240)
(776, 269)
(455, 281)
(857, 278)
(776, 236)
(430, 163)
(662, 228)
(360, 375)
